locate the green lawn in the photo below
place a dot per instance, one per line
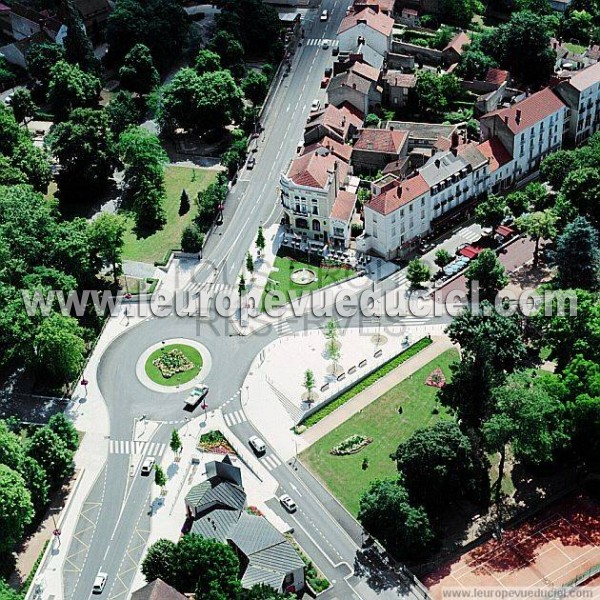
(155, 247)
(191, 354)
(575, 48)
(280, 280)
(344, 475)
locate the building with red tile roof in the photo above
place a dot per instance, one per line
(358, 87)
(375, 148)
(343, 151)
(529, 130)
(384, 6)
(455, 48)
(496, 76)
(338, 123)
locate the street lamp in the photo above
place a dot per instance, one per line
(204, 406)
(84, 383)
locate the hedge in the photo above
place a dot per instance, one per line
(369, 380)
(29, 579)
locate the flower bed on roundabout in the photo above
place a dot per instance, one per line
(173, 364)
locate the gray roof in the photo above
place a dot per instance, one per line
(441, 166)
(425, 131)
(157, 590)
(253, 533)
(216, 491)
(349, 79)
(370, 55)
(216, 524)
(255, 575)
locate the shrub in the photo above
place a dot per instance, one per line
(351, 445)
(192, 239)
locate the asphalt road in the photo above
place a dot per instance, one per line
(114, 523)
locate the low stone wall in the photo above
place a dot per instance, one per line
(420, 52)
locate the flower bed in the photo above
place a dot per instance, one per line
(172, 362)
(215, 442)
(351, 445)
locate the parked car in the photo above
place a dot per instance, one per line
(197, 394)
(335, 49)
(328, 72)
(325, 44)
(324, 82)
(316, 104)
(287, 503)
(99, 583)
(251, 162)
(325, 15)
(147, 465)
(257, 445)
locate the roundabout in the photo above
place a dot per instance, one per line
(173, 365)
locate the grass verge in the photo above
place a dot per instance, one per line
(389, 420)
(368, 381)
(154, 247)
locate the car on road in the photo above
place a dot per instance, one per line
(147, 465)
(324, 82)
(257, 445)
(325, 44)
(335, 49)
(328, 72)
(325, 15)
(251, 162)
(99, 582)
(197, 394)
(288, 503)
(316, 104)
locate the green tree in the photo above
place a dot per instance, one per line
(41, 57)
(474, 64)
(22, 104)
(577, 255)
(387, 512)
(60, 348)
(78, 47)
(490, 211)
(207, 61)
(429, 92)
(70, 87)
(262, 591)
(84, 148)
(122, 112)
(192, 239)
(332, 347)
(11, 448)
(208, 202)
(308, 383)
(107, 240)
(160, 562)
(8, 593)
(417, 272)
(249, 263)
(161, 25)
(538, 225)
(556, 166)
(581, 188)
(331, 330)
(65, 430)
(242, 286)
(160, 479)
(16, 509)
(184, 203)
(138, 73)
(230, 51)
(260, 241)
(36, 481)
(372, 120)
(442, 258)
(460, 12)
(255, 87)
(488, 274)
(175, 443)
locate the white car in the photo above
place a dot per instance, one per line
(287, 503)
(197, 394)
(147, 465)
(257, 445)
(316, 104)
(325, 44)
(325, 15)
(99, 582)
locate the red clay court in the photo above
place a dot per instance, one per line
(551, 549)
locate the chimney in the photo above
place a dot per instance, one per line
(455, 140)
(554, 45)
(343, 120)
(335, 179)
(399, 191)
(506, 120)
(437, 163)
(518, 116)
(361, 21)
(454, 150)
(354, 85)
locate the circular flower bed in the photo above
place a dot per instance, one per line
(174, 364)
(351, 445)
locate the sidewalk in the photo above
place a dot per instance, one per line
(360, 401)
(90, 416)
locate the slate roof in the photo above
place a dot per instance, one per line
(216, 524)
(253, 533)
(533, 109)
(470, 152)
(375, 20)
(217, 491)
(495, 151)
(398, 196)
(157, 590)
(370, 55)
(381, 140)
(396, 166)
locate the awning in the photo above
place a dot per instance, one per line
(470, 251)
(504, 231)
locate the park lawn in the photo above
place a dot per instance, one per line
(282, 270)
(575, 48)
(343, 475)
(156, 246)
(179, 378)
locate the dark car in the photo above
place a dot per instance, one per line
(328, 72)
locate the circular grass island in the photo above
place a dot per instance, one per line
(173, 364)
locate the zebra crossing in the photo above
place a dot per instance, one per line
(319, 42)
(234, 418)
(469, 235)
(399, 277)
(283, 328)
(270, 462)
(131, 447)
(208, 288)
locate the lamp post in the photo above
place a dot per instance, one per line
(84, 383)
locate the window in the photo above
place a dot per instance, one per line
(315, 210)
(393, 232)
(375, 232)
(410, 208)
